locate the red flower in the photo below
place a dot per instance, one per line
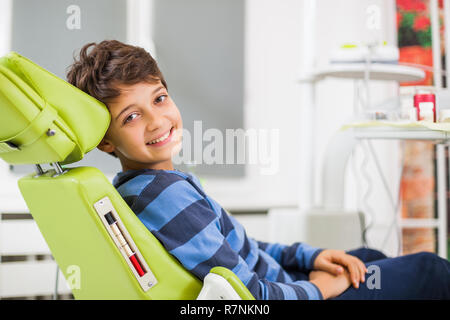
(421, 23)
(411, 5)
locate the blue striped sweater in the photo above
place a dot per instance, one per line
(201, 235)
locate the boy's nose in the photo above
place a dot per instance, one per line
(154, 122)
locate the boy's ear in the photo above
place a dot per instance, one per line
(106, 146)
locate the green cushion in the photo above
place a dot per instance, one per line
(34, 101)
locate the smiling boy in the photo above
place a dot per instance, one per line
(145, 133)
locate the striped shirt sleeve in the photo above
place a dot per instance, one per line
(298, 255)
(182, 219)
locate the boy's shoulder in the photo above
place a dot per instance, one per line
(139, 188)
(133, 182)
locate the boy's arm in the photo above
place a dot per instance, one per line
(303, 256)
(298, 255)
(190, 230)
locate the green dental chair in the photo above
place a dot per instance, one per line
(93, 235)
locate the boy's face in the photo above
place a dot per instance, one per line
(140, 115)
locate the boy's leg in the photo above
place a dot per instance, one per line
(422, 275)
(367, 254)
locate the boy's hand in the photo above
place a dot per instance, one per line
(333, 261)
(330, 285)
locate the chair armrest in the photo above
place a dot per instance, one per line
(222, 284)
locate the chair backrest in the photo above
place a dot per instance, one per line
(102, 248)
(64, 209)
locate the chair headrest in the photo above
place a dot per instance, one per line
(43, 118)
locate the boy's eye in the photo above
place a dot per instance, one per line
(131, 117)
(161, 98)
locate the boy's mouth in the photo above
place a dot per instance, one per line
(161, 140)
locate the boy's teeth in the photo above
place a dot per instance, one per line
(164, 137)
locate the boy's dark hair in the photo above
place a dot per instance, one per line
(109, 63)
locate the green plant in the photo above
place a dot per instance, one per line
(414, 26)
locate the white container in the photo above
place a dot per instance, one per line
(413, 114)
(444, 115)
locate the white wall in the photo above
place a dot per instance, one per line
(272, 101)
(5, 26)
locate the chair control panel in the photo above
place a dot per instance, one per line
(124, 243)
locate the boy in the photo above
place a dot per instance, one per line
(144, 134)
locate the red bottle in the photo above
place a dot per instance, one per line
(424, 102)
